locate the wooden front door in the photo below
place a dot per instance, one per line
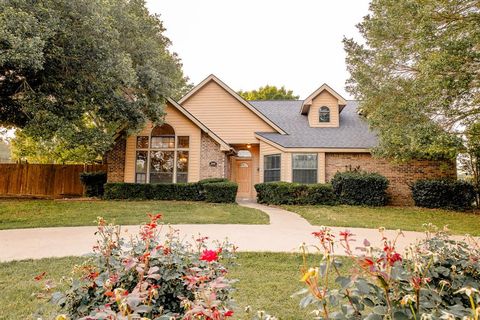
(243, 176)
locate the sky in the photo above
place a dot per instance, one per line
(251, 43)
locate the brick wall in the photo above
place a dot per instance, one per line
(399, 175)
(116, 161)
(210, 151)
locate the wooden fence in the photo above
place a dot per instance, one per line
(43, 180)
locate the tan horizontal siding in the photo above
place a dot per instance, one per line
(327, 100)
(183, 127)
(225, 115)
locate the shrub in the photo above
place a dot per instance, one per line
(212, 180)
(128, 191)
(437, 278)
(220, 192)
(93, 182)
(294, 193)
(360, 188)
(148, 278)
(448, 194)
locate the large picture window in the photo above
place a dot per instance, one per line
(271, 168)
(162, 157)
(304, 167)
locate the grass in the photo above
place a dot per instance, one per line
(404, 218)
(266, 282)
(59, 213)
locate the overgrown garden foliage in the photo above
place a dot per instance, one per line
(148, 278)
(73, 73)
(436, 278)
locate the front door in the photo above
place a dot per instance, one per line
(243, 176)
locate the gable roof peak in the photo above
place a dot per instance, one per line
(235, 95)
(324, 87)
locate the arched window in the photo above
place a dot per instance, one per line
(324, 114)
(162, 157)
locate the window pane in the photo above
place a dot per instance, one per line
(140, 178)
(142, 142)
(272, 162)
(305, 161)
(304, 176)
(163, 142)
(182, 177)
(161, 161)
(161, 177)
(271, 175)
(324, 114)
(182, 161)
(183, 142)
(141, 162)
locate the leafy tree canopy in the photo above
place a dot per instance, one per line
(73, 72)
(268, 93)
(417, 74)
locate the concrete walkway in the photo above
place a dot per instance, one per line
(285, 233)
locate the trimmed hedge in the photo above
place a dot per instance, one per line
(360, 188)
(171, 191)
(93, 182)
(447, 194)
(294, 193)
(220, 192)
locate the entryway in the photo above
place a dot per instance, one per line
(243, 176)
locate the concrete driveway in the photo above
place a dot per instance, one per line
(285, 233)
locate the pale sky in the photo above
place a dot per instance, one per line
(250, 43)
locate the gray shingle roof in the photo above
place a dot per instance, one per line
(353, 131)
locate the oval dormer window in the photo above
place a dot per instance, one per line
(324, 114)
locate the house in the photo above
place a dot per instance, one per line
(213, 132)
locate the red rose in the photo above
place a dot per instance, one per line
(228, 313)
(209, 255)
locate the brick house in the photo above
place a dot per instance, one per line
(213, 132)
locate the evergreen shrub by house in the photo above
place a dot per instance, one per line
(220, 192)
(197, 191)
(360, 188)
(93, 182)
(447, 194)
(294, 193)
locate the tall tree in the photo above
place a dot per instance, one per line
(268, 93)
(417, 74)
(73, 72)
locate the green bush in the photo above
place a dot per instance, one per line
(93, 182)
(447, 194)
(360, 188)
(145, 191)
(210, 191)
(212, 180)
(220, 192)
(294, 193)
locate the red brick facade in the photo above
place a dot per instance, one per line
(399, 175)
(116, 161)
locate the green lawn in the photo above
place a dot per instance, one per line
(56, 213)
(404, 218)
(266, 282)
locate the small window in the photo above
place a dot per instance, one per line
(142, 142)
(182, 166)
(244, 154)
(183, 142)
(271, 168)
(304, 168)
(324, 114)
(141, 167)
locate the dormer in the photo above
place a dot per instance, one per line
(323, 107)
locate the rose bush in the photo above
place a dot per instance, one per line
(145, 277)
(436, 278)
